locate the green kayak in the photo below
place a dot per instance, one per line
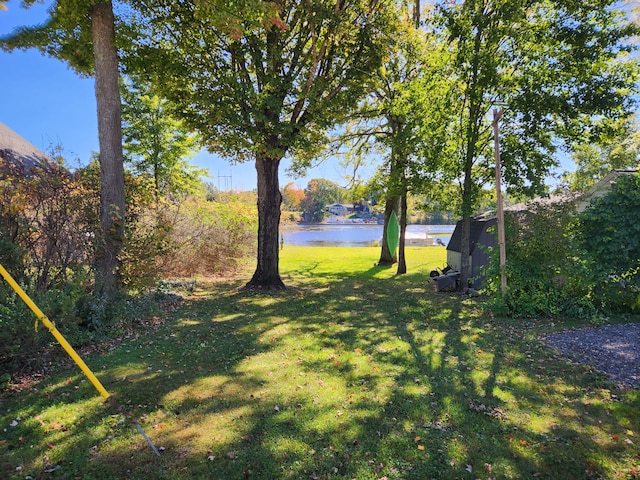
(393, 231)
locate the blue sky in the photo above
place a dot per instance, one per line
(48, 104)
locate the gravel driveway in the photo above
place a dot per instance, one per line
(612, 349)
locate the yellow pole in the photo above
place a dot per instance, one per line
(54, 331)
(69, 349)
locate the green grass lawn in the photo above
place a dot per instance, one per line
(351, 373)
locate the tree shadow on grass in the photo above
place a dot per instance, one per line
(360, 379)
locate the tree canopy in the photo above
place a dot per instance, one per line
(557, 69)
(272, 87)
(594, 160)
(157, 144)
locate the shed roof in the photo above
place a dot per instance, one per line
(478, 226)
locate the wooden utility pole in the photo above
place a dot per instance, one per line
(497, 114)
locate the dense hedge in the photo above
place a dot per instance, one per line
(561, 262)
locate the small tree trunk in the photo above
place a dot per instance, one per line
(402, 261)
(465, 242)
(416, 14)
(110, 142)
(390, 206)
(267, 275)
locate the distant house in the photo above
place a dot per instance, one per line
(361, 207)
(340, 209)
(17, 151)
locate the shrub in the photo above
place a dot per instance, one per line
(81, 318)
(544, 270)
(49, 229)
(49, 225)
(147, 228)
(148, 231)
(22, 338)
(44, 228)
(211, 238)
(559, 262)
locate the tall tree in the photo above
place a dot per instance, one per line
(405, 116)
(594, 160)
(112, 199)
(557, 70)
(318, 194)
(83, 34)
(292, 197)
(270, 88)
(157, 144)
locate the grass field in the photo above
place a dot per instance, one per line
(351, 373)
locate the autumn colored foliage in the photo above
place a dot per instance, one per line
(50, 232)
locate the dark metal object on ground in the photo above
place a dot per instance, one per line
(447, 281)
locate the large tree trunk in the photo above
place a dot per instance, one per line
(110, 142)
(402, 261)
(267, 275)
(391, 205)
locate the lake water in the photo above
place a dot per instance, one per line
(359, 235)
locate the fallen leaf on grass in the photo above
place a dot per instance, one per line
(420, 447)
